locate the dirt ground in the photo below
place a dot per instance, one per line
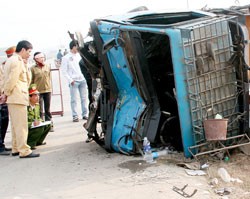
(238, 168)
(70, 168)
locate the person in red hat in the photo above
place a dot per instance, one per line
(38, 129)
(10, 51)
(4, 113)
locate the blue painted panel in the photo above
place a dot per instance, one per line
(129, 104)
(181, 89)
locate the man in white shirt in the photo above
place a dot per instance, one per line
(77, 83)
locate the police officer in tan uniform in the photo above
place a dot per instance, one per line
(16, 83)
(4, 114)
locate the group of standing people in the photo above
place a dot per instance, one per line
(17, 99)
(25, 97)
(60, 55)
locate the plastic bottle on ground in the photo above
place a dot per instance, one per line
(224, 175)
(158, 154)
(148, 156)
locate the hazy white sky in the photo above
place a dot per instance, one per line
(45, 23)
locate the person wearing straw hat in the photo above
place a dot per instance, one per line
(38, 130)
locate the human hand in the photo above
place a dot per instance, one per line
(72, 83)
(3, 99)
(36, 122)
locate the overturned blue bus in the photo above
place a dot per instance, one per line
(161, 74)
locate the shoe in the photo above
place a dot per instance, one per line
(15, 154)
(89, 139)
(4, 153)
(32, 155)
(7, 149)
(75, 119)
(85, 118)
(39, 144)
